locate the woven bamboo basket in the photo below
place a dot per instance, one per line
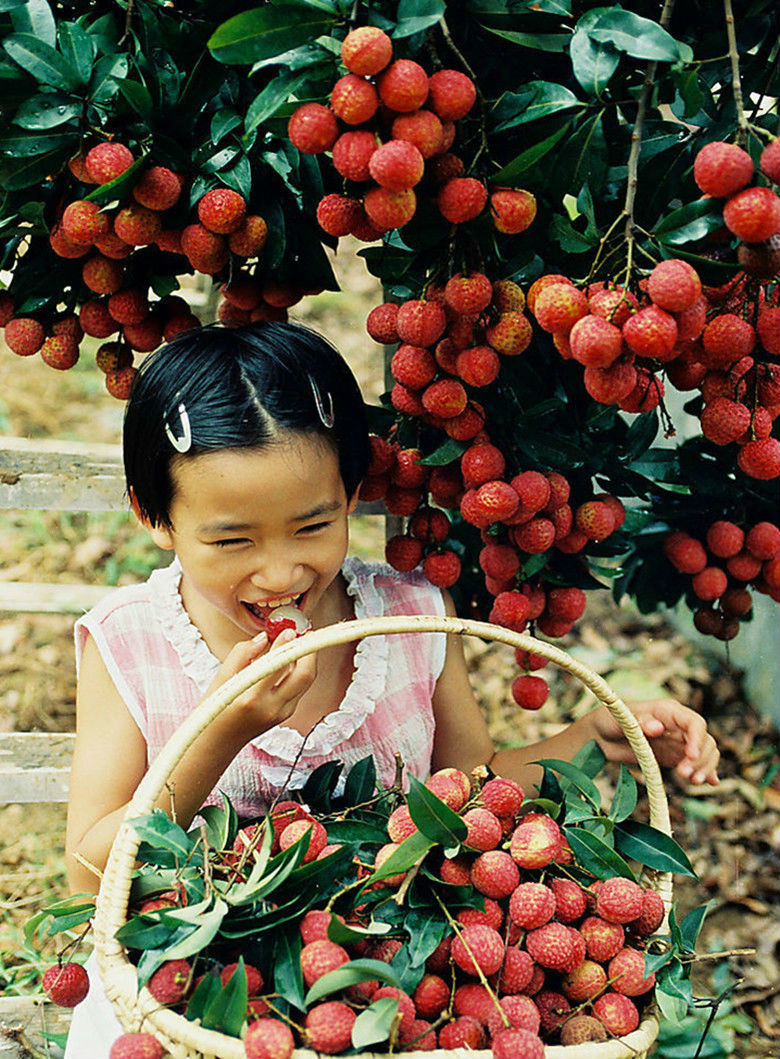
(138, 1010)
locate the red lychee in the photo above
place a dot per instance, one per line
(753, 214)
(558, 306)
(158, 189)
(461, 199)
(313, 128)
(721, 169)
(354, 99)
(403, 87)
(107, 161)
(674, 285)
(66, 984)
(366, 50)
(421, 128)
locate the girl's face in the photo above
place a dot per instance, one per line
(256, 529)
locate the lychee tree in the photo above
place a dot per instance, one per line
(573, 213)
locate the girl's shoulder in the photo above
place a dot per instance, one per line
(119, 603)
(377, 588)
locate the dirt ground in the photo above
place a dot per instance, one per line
(731, 833)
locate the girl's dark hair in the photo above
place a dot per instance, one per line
(240, 387)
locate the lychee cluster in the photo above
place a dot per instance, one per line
(542, 954)
(110, 295)
(723, 567)
(685, 333)
(519, 516)
(388, 130)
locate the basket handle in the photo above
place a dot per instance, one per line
(115, 886)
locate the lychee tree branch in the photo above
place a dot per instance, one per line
(736, 83)
(636, 134)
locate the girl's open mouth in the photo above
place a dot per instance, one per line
(261, 610)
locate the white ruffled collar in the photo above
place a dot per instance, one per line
(368, 679)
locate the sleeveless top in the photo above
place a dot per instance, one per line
(162, 668)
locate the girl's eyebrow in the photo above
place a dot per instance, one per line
(209, 528)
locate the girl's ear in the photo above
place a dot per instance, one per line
(352, 503)
(161, 535)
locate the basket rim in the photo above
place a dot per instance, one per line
(118, 974)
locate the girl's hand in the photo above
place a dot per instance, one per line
(678, 737)
(273, 698)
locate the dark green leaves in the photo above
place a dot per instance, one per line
(651, 847)
(534, 100)
(267, 32)
(414, 16)
(434, 819)
(351, 974)
(42, 61)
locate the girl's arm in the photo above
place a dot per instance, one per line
(676, 733)
(109, 758)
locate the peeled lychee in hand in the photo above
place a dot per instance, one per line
(287, 617)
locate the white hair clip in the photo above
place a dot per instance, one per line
(183, 443)
(326, 418)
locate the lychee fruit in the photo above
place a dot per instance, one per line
(66, 984)
(107, 161)
(674, 285)
(396, 165)
(721, 169)
(403, 87)
(753, 214)
(513, 210)
(267, 1038)
(354, 99)
(478, 946)
(328, 1026)
(158, 189)
(366, 50)
(313, 128)
(461, 199)
(136, 1046)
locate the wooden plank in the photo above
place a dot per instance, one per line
(24, 1022)
(22, 597)
(49, 475)
(60, 476)
(35, 766)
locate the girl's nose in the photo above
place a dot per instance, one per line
(276, 576)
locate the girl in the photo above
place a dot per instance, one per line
(244, 451)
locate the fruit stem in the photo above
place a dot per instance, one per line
(636, 133)
(483, 145)
(128, 22)
(736, 84)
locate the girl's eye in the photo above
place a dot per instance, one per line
(314, 527)
(228, 541)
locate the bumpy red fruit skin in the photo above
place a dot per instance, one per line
(313, 128)
(60, 351)
(366, 50)
(387, 209)
(558, 306)
(760, 459)
(66, 985)
(158, 189)
(535, 842)
(24, 335)
(422, 128)
(550, 945)
(403, 87)
(353, 99)
(328, 1027)
(420, 323)
(595, 342)
(396, 165)
(509, 1044)
(451, 94)
(619, 900)
(462, 199)
(651, 333)
(753, 214)
(626, 973)
(222, 210)
(674, 285)
(442, 568)
(136, 1046)
(107, 161)
(770, 161)
(721, 169)
(268, 1039)
(480, 944)
(495, 874)
(513, 210)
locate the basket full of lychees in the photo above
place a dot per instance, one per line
(459, 915)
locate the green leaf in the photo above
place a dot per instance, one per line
(575, 776)
(563, 232)
(626, 794)
(159, 831)
(77, 48)
(593, 854)
(690, 222)
(593, 63)
(415, 16)
(375, 1023)
(34, 16)
(691, 925)
(286, 962)
(138, 96)
(205, 930)
(360, 784)
(274, 95)
(636, 36)
(590, 758)
(536, 99)
(552, 42)
(526, 159)
(23, 145)
(652, 848)
(348, 934)
(41, 61)
(351, 974)
(266, 32)
(46, 111)
(407, 855)
(205, 991)
(119, 188)
(103, 83)
(221, 823)
(448, 452)
(226, 1011)
(433, 817)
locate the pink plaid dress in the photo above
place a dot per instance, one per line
(162, 668)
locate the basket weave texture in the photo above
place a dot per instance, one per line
(137, 1009)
